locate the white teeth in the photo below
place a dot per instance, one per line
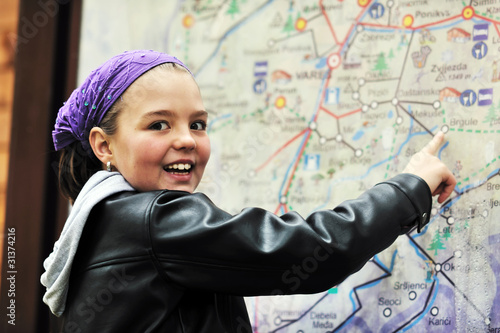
(179, 166)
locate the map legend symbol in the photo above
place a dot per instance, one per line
(260, 68)
(479, 50)
(376, 11)
(468, 98)
(485, 97)
(260, 86)
(333, 60)
(260, 72)
(311, 162)
(480, 32)
(332, 96)
(419, 58)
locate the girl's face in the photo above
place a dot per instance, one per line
(161, 141)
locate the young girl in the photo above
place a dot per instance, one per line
(140, 252)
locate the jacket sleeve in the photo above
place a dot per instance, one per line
(198, 246)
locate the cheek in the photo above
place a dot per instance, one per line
(138, 153)
(150, 151)
(206, 150)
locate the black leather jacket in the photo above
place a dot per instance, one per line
(173, 262)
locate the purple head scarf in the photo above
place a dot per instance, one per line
(88, 104)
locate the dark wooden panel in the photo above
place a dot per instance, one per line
(45, 63)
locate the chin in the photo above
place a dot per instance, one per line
(185, 188)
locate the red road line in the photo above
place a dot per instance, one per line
(279, 150)
(487, 19)
(328, 21)
(309, 132)
(380, 25)
(327, 82)
(357, 22)
(409, 28)
(437, 22)
(342, 116)
(496, 28)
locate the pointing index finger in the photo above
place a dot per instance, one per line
(433, 146)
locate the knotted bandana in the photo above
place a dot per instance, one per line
(88, 104)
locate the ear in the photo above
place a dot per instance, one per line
(99, 142)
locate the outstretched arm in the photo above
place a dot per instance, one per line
(434, 172)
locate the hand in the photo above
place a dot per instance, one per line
(435, 173)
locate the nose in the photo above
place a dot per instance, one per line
(183, 139)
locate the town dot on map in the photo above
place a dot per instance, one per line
(435, 311)
(363, 3)
(188, 21)
(300, 24)
(280, 102)
(468, 12)
(333, 60)
(408, 21)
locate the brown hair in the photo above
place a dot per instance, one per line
(76, 165)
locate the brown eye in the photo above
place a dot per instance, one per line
(159, 126)
(199, 126)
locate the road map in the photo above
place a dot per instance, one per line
(313, 102)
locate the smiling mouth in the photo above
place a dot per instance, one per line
(179, 168)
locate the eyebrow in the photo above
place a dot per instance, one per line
(168, 113)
